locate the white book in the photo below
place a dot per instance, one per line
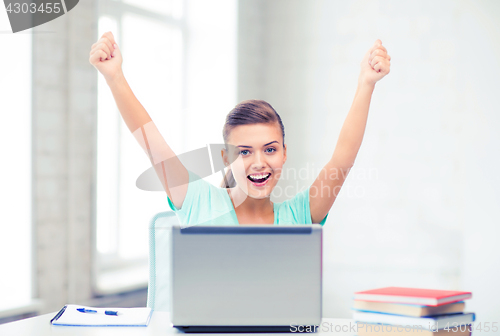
(72, 315)
(424, 323)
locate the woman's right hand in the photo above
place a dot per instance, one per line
(106, 57)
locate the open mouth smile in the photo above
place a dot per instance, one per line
(259, 179)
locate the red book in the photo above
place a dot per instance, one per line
(417, 296)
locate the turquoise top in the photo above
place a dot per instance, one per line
(206, 204)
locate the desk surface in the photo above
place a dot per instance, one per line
(159, 325)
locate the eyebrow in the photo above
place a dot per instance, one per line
(263, 146)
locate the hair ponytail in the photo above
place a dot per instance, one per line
(228, 181)
(246, 113)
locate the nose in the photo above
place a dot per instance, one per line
(259, 161)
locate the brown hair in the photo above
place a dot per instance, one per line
(245, 113)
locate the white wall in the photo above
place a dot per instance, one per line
(211, 73)
(419, 208)
(211, 70)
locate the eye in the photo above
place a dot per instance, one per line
(243, 152)
(272, 149)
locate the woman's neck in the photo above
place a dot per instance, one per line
(252, 209)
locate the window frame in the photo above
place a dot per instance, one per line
(106, 266)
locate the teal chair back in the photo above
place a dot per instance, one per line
(159, 260)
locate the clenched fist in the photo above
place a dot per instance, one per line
(376, 64)
(106, 57)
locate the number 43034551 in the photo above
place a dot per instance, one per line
(32, 8)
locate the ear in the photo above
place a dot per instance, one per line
(223, 153)
(284, 155)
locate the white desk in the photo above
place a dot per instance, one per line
(159, 325)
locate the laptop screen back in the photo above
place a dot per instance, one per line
(246, 275)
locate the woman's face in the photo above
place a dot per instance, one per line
(257, 157)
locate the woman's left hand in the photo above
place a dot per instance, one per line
(375, 65)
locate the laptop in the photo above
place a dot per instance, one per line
(247, 278)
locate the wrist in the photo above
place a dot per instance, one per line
(115, 79)
(364, 83)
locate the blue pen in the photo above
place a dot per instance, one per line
(83, 310)
(91, 311)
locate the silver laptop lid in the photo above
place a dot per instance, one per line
(246, 275)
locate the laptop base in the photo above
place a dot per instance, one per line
(238, 329)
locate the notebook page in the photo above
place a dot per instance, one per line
(125, 317)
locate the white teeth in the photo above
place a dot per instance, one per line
(259, 176)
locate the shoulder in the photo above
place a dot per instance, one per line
(203, 200)
(295, 210)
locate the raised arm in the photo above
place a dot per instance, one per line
(106, 57)
(326, 187)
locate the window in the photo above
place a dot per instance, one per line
(15, 194)
(150, 35)
(180, 61)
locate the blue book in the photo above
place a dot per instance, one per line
(409, 309)
(424, 323)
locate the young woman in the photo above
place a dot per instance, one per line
(255, 152)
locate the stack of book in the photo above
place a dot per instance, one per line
(411, 311)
